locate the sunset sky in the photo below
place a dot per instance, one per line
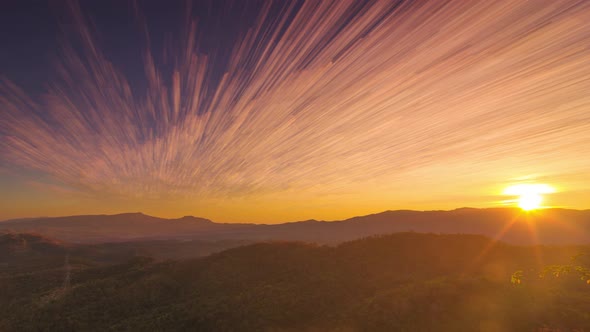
(259, 111)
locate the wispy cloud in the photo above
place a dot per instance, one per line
(321, 98)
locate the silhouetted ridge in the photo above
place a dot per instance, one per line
(551, 226)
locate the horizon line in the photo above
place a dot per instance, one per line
(294, 221)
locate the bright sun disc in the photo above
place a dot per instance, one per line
(529, 195)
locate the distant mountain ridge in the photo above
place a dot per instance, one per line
(108, 228)
(547, 226)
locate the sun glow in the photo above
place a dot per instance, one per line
(530, 196)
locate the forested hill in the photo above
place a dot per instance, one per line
(547, 226)
(398, 282)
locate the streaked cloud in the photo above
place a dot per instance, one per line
(340, 99)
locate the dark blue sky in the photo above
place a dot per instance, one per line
(31, 32)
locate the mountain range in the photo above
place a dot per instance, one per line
(547, 226)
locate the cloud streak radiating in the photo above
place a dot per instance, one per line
(320, 98)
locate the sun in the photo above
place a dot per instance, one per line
(530, 196)
(529, 202)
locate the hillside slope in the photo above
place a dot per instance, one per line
(399, 282)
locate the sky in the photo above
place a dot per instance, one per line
(261, 111)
